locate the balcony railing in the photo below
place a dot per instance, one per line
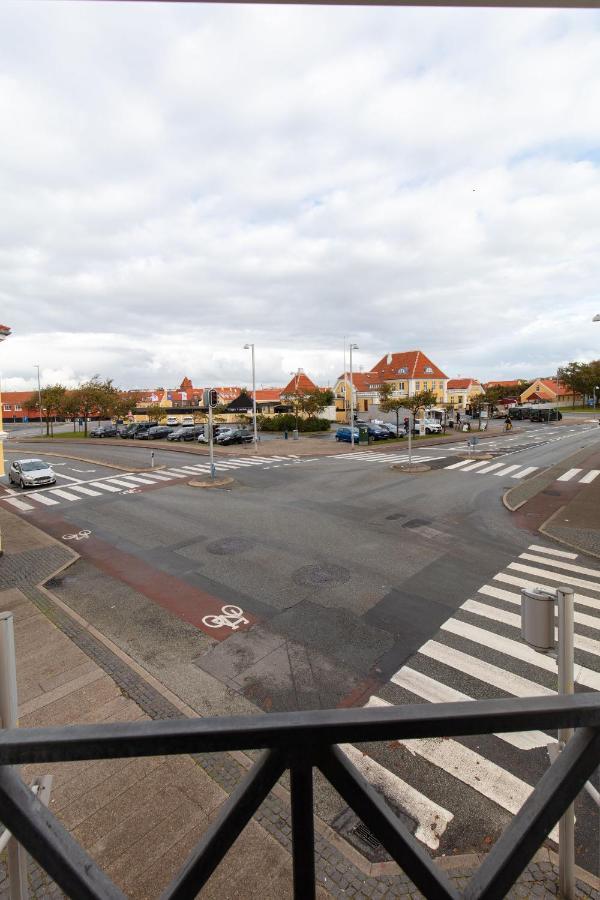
(300, 742)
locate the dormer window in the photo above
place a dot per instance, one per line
(428, 370)
(403, 371)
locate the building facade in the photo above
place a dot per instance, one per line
(463, 391)
(549, 390)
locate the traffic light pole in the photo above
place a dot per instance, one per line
(210, 440)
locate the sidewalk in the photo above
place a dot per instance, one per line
(139, 818)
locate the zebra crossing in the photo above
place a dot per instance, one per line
(375, 456)
(517, 471)
(479, 654)
(129, 483)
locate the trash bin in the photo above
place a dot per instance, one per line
(537, 618)
(363, 435)
(295, 434)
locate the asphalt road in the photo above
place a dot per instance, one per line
(355, 583)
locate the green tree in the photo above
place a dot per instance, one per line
(314, 402)
(53, 401)
(390, 403)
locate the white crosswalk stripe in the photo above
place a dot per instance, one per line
(456, 665)
(64, 495)
(39, 497)
(516, 471)
(81, 489)
(104, 486)
(567, 476)
(18, 504)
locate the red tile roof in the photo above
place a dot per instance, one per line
(461, 384)
(268, 395)
(515, 382)
(4, 330)
(363, 381)
(550, 383)
(299, 384)
(414, 361)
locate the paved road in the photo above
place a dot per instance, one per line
(356, 584)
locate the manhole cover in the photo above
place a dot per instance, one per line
(395, 516)
(229, 546)
(417, 523)
(313, 576)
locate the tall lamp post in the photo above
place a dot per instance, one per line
(39, 398)
(4, 333)
(251, 347)
(352, 347)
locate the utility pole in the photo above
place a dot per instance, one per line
(39, 398)
(352, 347)
(345, 386)
(251, 347)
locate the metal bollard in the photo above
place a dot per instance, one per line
(9, 712)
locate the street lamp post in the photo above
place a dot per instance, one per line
(39, 398)
(251, 347)
(352, 347)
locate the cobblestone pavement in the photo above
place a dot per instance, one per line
(335, 872)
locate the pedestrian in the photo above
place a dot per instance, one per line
(406, 423)
(457, 417)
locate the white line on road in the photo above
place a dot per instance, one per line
(66, 477)
(593, 473)
(138, 479)
(84, 490)
(552, 552)
(458, 465)
(527, 583)
(490, 591)
(65, 495)
(105, 487)
(432, 819)
(43, 499)
(490, 468)
(553, 576)
(505, 471)
(569, 474)
(435, 692)
(525, 472)
(560, 564)
(18, 504)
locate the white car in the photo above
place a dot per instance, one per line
(430, 426)
(31, 473)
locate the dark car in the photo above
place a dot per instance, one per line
(236, 436)
(128, 431)
(545, 415)
(392, 430)
(377, 433)
(141, 428)
(159, 432)
(186, 433)
(344, 434)
(104, 431)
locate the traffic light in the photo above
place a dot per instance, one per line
(212, 398)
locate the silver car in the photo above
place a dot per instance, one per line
(31, 473)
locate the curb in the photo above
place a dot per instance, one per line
(562, 541)
(221, 482)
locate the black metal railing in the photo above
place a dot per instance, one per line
(300, 742)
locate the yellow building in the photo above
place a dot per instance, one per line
(463, 391)
(4, 333)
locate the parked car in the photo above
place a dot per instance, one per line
(545, 415)
(31, 473)
(430, 426)
(395, 431)
(158, 432)
(136, 428)
(344, 434)
(186, 433)
(102, 431)
(377, 433)
(235, 436)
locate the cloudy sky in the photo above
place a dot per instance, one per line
(176, 181)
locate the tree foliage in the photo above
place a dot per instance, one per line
(53, 403)
(582, 378)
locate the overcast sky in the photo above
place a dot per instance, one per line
(176, 181)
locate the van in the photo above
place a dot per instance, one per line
(172, 420)
(187, 420)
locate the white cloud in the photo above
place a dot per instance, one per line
(181, 180)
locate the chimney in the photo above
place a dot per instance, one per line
(388, 359)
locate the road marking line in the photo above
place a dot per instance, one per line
(525, 582)
(569, 474)
(122, 483)
(18, 504)
(158, 476)
(505, 471)
(490, 591)
(517, 650)
(593, 473)
(432, 819)
(553, 576)
(525, 472)
(180, 473)
(487, 778)
(84, 490)
(559, 564)
(66, 477)
(41, 498)
(484, 671)
(105, 487)
(474, 465)
(138, 479)
(64, 494)
(248, 462)
(589, 645)
(435, 692)
(459, 465)
(491, 468)
(552, 552)
(173, 473)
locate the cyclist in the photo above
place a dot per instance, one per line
(507, 423)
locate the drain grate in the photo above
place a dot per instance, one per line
(363, 834)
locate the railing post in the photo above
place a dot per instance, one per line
(9, 713)
(303, 830)
(566, 825)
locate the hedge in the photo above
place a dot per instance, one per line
(287, 422)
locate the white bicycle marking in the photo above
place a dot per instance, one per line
(131, 491)
(231, 617)
(82, 535)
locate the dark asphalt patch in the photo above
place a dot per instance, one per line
(229, 546)
(314, 576)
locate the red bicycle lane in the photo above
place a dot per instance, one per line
(212, 615)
